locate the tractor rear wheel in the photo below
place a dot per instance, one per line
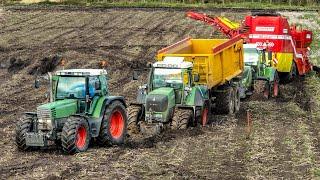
(134, 113)
(225, 101)
(114, 125)
(266, 91)
(75, 136)
(236, 99)
(181, 118)
(205, 116)
(288, 77)
(275, 85)
(23, 126)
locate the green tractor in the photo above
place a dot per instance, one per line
(170, 99)
(79, 110)
(259, 76)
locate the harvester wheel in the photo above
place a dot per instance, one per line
(23, 126)
(75, 136)
(134, 113)
(114, 125)
(225, 101)
(181, 118)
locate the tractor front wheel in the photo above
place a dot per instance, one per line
(114, 125)
(181, 118)
(23, 126)
(134, 113)
(75, 136)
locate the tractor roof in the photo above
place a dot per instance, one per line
(81, 72)
(173, 62)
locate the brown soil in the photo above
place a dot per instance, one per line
(283, 141)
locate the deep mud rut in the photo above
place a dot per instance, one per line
(283, 141)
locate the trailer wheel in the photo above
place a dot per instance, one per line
(23, 126)
(134, 112)
(181, 118)
(75, 136)
(114, 125)
(225, 101)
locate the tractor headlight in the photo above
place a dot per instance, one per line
(44, 119)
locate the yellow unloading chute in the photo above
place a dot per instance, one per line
(229, 23)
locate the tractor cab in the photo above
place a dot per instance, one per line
(174, 73)
(83, 85)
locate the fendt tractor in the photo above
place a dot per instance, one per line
(289, 45)
(260, 75)
(80, 109)
(190, 79)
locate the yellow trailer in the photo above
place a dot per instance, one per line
(216, 61)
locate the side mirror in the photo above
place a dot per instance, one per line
(149, 65)
(37, 83)
(196, 78)
(135, 75)
(97, 85)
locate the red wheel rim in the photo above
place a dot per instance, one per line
(275, 88)
(205, 116)
(81, 137)
(116, 124)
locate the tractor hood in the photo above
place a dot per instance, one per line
(158, 99)
(61, 108)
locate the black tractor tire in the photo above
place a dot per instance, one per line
(290, 76)
(75, 136)
(114, 125)
(266, 90)
(181, 119)
(23, 126)
(225, 101)
(134, 113)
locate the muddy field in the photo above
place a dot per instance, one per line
(282, 143)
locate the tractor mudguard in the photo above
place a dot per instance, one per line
(95, 120)
(32, 114)
(197, 96)
(103, 102)
(269, 73)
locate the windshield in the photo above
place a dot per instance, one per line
(251, 56)
(71, 87)
(167, 78)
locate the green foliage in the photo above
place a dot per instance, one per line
(253, 4)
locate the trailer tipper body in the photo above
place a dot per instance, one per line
(216, 61)
(190, 80)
